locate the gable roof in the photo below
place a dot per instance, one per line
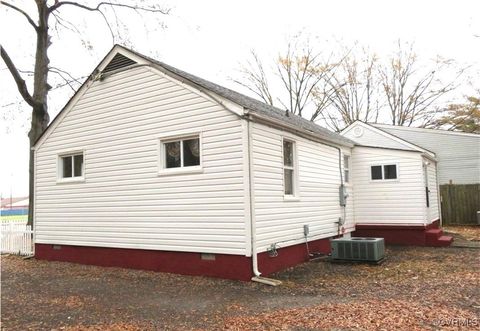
(409, 145)
(257, 107)
(425, 130)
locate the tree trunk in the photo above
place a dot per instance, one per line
(40, 117)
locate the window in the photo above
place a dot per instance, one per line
(383, 172)
(71, 166)
(181, 153)
(288, 167)
(346, 168)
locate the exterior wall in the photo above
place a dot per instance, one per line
(433, 212)
(395, 202)
(372, 138)
(124, 202)
(280, 220)
(458, 154)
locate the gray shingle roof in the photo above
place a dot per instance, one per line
(256, 105)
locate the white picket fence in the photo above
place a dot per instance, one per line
(16, 238)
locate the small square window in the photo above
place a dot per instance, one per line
(384, 172)
(182, 153)
(71, 166)
(376, 172)
(390, 171)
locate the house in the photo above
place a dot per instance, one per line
(150, 167)
(458, 153)
(396, 188)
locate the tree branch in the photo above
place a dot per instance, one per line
(22, 86)
(97, 8)
(29, 19)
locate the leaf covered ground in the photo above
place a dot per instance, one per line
(414, 289)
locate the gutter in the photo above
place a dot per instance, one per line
(253, 228)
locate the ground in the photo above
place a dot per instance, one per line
(414, 289)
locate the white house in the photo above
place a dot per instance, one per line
(458, 153)
(150, 167)
(396, 188)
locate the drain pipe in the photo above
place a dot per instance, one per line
(253, 229)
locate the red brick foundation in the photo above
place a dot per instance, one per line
(395, 234)
(224, 266)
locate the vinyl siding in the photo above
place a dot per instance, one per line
(280, 221)
(373, 139)
(458, 154)
(433, 211)
(400, 201)
(124, 202)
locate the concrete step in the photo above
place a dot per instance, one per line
(434, 233)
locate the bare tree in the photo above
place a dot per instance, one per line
(298, 72)
(461, 117)
(48, 15)
(350, 92)
(410, 93)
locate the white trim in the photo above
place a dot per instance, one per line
(387, 135)
(179, 136)
(349, 155)
(382, 165)
(73, 179)
(295, 187)
(246, 188)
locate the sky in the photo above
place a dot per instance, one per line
(213, 38)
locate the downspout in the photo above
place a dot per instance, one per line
(253, 229)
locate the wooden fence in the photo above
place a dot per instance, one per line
(16, 238)
(460, 203)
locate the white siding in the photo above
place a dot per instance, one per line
(372, 138)
(123, 202)
(281, 221)
(400, 201)
(433, 210)
(458, 154)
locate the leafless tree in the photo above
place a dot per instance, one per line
(49, 15)
(298, 72)
(410, 92)
(350, 92)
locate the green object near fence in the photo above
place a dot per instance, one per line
(460, 203)
(13, 218)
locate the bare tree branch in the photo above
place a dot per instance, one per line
(21, 85)
(152, 9)
(29, 19)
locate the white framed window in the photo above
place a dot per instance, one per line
(289, 168)
(346, 168)
(180, 154)
(383, 172)
(71, 167)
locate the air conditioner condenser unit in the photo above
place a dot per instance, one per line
(358, 249)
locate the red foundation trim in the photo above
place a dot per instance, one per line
(224, 266)
(397, 234)
(235, 267)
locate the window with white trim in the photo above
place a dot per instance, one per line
(346, 168)
(289, 167)
(71, 166)
(181, 153)
(383, 172)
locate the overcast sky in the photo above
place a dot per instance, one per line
(210, 38)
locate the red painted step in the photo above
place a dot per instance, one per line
(443, 241)
(433, 233)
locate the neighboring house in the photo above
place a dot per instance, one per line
(15, 203)
(14, 209)
(150, 167)
(458, 153)
(396, 188)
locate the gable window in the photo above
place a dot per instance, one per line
(289, 168)
(383, 172)
(181, 153)
(71, 166)
(346, 168)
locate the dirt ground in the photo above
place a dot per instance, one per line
(414, 289)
